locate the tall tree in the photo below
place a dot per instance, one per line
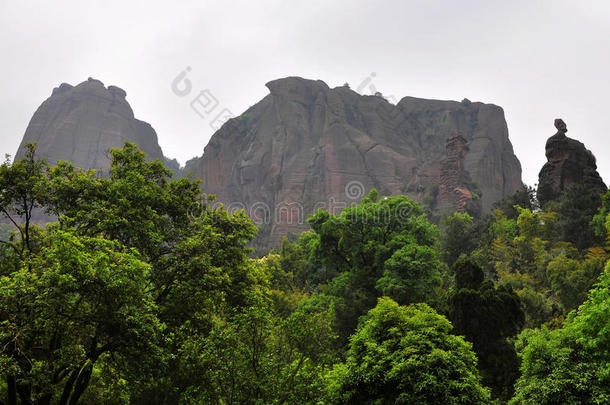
(406, 355)
(576, 208)
(71, 302)
(23, 190)
(458, 237)
(384, 247)
(197, 265)
(487, 316)
(525, 197)
(569, 365)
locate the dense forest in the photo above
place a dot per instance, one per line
(143, 291)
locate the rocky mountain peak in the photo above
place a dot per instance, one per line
(569, 163)
(304, 145)
(296, 88)
(81, 123)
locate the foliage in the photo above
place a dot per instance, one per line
(71, 302)
(383, 247)
(258, 357)
(550, 275)
(197, 265)
(572, 278)
(406, 355)
(601, 221)
(458, 237)
(525, 197)
(22, 191)
(487, 316)
(569, 365)
(142, 292)
(300, 260)
(576, 208)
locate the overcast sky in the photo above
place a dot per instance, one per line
(539, 60)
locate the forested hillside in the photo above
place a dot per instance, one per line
(145, 292)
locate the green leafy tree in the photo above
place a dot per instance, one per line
(198, 270)
(299, 258)
(572, 279)
(69, 303)
(601, 221)
(383, 247)
(569, 365)
(191, 246)
(458, 237)
(487, 316)
(550, 275)
(576, 208)
(262, 354)
(525, 197)
(519, 253)
(406, 355)
(23, 190)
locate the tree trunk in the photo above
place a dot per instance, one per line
(65, 396)
(82, 382)
(24, 392)
(45, 400)
(76, 385)
(12, 390)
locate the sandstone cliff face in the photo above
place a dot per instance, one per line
(80, 123)
(457, 193)
(306, 146)
(569, 163)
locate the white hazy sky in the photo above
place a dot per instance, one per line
(539, 60)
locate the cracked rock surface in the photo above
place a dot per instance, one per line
(302, 146)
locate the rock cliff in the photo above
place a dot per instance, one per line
(569, 163)
(80, 123)
(306, 146)
(457, 192)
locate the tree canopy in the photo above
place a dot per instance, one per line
(133, 287)
(570, 365)
(406, 355)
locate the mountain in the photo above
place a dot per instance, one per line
(306, 146)
(80, 123)
(569, 163)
